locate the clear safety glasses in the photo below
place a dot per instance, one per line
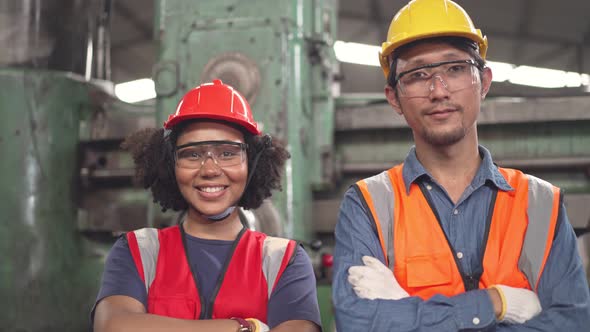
(224, 154)
(454, 75)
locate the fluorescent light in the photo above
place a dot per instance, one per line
(544, 77)
(364, 54)
(573, 80)
(144, 89)
(361, 54)
(136, 91)
(500, 70)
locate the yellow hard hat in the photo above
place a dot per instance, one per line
(421, 19)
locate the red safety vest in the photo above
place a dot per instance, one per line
(520, 234)
(256, 265)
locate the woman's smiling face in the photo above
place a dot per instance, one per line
(211, 189)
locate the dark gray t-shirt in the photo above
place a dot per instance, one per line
(294, 297)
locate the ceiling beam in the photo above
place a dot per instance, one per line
(540, 59)
(145, 29)
(526, 13)
(376, 12)
(578, 60)
(372, 21)
(586, 38)
(581, 51)
(528, 37)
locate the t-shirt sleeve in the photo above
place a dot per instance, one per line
(295, 296)
(120, 276)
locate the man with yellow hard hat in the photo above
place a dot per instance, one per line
(447, 241)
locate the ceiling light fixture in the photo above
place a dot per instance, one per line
(364, 54)
(136, 91)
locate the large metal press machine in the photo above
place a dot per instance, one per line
(66, 186)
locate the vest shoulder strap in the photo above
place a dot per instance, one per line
(542, 211)
(148, 247)
(277, 254)
(379, 199)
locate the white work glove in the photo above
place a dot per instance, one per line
(374, 281)
(519, 304)
(258, 325)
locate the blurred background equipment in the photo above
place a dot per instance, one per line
(77, 76)
(48, 273)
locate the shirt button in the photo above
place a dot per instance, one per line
(455, 211)
(475, 321)
(459, 255)
(429, 187)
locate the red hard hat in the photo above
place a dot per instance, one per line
(214, 101)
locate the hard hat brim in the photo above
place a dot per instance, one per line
(389, 47)
(184, 117)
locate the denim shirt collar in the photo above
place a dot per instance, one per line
(488, 171)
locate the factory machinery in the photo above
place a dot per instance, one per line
(67, 190)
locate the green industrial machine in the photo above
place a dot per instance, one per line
(279, 55)
(49, 272)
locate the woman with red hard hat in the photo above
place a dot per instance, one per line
(209, 273)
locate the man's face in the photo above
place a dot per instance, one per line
(443, 115)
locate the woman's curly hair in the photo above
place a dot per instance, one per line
(153, 153)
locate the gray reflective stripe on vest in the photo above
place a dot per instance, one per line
(381, 191)
(540, 208)
(273, 251)
(149, 246)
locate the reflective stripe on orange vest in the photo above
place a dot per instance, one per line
(254, 269)
(519, 238)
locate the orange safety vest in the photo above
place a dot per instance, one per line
(257, 263)
(519, 234)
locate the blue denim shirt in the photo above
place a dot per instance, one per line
(563, 289)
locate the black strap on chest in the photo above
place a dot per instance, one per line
(470, 282)
(207, 304)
